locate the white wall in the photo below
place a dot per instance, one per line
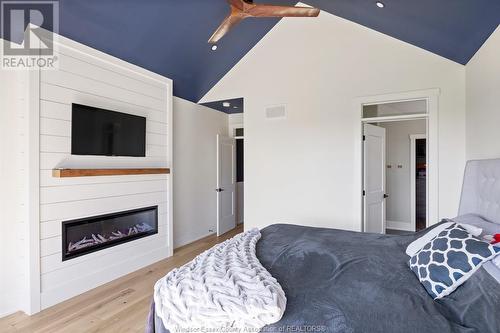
(305, 169)
(483, 101)
(398, 179)
(195, 148)
(12, 221)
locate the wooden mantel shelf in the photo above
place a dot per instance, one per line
(63, 173)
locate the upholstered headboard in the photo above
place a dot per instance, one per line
(481, 190)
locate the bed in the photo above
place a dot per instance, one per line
(342, 281)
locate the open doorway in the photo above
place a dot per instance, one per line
(418, 185)
(240, 175)
(395, 161)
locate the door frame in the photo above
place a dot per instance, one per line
(413, 186)
(431, 96)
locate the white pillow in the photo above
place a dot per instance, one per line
(471, 229)
(496, 261)
(489, 228)
(418, 244)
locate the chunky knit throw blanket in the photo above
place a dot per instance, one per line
(224, 287)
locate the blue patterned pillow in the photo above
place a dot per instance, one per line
(449, 259)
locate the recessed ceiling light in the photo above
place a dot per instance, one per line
(380, 4)
(226, 104)
(235, 107)
(214, 47)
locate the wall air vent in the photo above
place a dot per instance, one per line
(276, 112)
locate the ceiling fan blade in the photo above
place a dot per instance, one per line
(281, 11)
(240, 4)
(225, 26)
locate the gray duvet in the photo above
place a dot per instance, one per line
(341, 281)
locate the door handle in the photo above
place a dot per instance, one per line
(386, 196)
(219, 189)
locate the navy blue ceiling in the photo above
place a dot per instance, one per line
(454, 29)
(235, 105)
(169, 37)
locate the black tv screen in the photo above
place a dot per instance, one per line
(97, 131)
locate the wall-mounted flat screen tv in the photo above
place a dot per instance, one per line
(96, 131)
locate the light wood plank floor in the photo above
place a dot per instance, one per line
(118, 306)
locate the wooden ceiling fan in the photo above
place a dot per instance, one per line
(242, 9)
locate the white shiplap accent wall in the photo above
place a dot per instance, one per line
(13, 216)
(86, 76)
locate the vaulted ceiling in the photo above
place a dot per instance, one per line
(169, 37)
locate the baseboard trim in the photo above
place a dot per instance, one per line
(399, 225)
(202, 238)
(3, 315)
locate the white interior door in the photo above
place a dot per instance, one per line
(226, 181)
(374, 178)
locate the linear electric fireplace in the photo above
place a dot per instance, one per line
(95, 233)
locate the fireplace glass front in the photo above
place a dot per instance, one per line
(91, 234)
